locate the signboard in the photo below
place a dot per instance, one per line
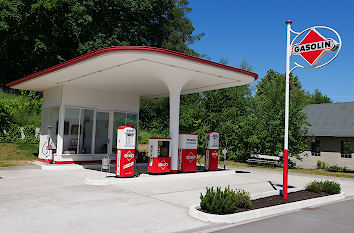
(314, 47)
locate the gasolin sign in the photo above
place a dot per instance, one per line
(314, 47)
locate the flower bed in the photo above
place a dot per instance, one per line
(269, 205)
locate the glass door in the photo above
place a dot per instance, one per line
(101, 137)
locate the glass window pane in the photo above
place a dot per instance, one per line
(131, 119)
(101, 137)
(86, 125)
(119, 120)
(346, 148)
(53, 123)
(49, 126)
(71, 130)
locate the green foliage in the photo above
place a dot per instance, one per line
(17, 111)
(333, 168)
(23, 109)
(321, 165)
(318, 98)
(270, 111)
(314, 186)
(224, 202)
(329, 187)
(143, 137)
(13, 134)
(38, 34)
(154, 115)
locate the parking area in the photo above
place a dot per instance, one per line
(35, 200)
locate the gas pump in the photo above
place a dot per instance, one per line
(125, 151)
(46, 147)
(211, 150)
(187, 152)
(159, 155)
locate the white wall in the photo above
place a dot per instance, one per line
(52, 96)
(100, 99)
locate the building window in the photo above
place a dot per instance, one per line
(346, 149)
(101, 136)
(49, 129)
(316, 148)
(71, 130)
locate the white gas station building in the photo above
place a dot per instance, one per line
(85, 99)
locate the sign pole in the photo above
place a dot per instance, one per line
(286, 137)
(313, 48)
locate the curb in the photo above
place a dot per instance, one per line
(263, 212)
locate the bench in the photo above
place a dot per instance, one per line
(263, 159)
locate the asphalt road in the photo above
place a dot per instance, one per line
(334, 218)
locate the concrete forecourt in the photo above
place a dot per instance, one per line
(37, 200)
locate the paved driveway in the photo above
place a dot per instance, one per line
(33, 200)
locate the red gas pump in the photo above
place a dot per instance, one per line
(125, 151)
(159, 155)
(187, 152)
(212, 150)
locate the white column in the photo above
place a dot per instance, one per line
(174, 126)
(60, 131)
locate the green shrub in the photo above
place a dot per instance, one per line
(334, 168)
(243, 199)
(224, 202)
(346, 170)
(314, 186)
(13, 134)
(329, 187)
(321, 165)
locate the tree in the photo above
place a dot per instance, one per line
(318, 98)
(38, 34)
(270, 111)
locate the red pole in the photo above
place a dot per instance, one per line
(285, 174)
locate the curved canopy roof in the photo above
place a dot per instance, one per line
(147, 71)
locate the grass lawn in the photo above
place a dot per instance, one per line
(296, 170)
(12, 154)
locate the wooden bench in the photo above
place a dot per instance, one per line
(263, 159)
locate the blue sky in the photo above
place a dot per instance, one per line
(256, 31)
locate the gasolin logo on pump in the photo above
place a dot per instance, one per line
(314, 47)
(162, 164)
(129, 155)
(190, 157)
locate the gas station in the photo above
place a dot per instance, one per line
(89, 100)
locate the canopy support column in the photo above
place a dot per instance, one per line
(174, 126)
